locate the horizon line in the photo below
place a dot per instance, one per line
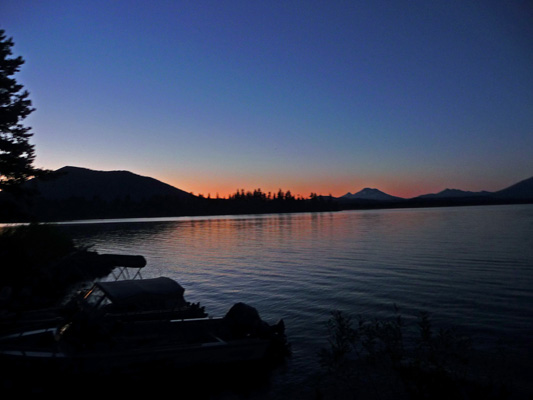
(295, 194)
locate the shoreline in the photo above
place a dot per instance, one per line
(360, 206)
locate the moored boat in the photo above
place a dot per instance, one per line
(136, 299)
(130, 325)
(110, 346)
(123, 294)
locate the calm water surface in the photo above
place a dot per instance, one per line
(470, 267)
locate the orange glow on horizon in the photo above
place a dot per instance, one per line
(213, 184)
(336, 189)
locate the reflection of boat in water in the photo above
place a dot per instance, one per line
(132, 324)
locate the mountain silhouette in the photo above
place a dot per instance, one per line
(74, 193)
(522, 190)
(454, 193)
(370, 194)
(82, 183)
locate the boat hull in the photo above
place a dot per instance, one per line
(138, 346)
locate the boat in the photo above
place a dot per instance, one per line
(90, 344)
(123, 294)
(132, 324)
(135, 299)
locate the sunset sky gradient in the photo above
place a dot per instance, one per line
(410, 97)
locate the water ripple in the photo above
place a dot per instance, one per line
(471, 267)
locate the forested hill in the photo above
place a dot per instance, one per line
(83, 183)
(73, 193)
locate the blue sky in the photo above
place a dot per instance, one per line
(410, 97)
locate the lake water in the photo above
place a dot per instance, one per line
(469, 267)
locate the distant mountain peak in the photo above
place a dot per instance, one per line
(370, 191)
(72, 167)
(370, 194)
(453, 193)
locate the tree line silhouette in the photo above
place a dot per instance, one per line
(257, 201)
(241, 202)
(259, 195)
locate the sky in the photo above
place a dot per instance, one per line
(410, 97)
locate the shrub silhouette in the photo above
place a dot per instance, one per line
(387, 359)
(41, 265)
